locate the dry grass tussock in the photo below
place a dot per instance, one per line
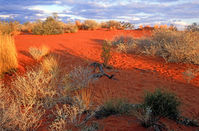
(8, 54)
(38, 53)
(173, 46)
(51, 63)
(106, 54)
(90, 25)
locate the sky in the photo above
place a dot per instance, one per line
(139, 12)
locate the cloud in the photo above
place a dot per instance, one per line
(139, 12)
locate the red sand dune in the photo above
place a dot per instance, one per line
(135, 74)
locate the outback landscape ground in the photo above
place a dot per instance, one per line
(134, 75)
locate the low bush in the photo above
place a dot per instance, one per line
(163, 104)
(8, 54)
(123, 40)
(112, 24)
(176, 46)
(70, 28)
(127, 26)
(89, 25)
(173, 46)
(10, 28)
(193, 27)
(28, 27)
(50, 26)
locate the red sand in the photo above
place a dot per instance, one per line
(136, 74)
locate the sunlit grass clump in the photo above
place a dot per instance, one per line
(38, 53)
(8, 54)
(50, 64)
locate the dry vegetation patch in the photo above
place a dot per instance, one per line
(173, 46)
(89, 25)
(38, 53)
(8, 54)
(10, 28)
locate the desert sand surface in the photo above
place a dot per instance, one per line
(135, 74)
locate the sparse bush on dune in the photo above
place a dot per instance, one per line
(8, 54)
(173, 46)
(28, 27)
(38, 53)
(10, 28)
(89, 25)
(78, 24)
(160, 104)
(163, 104)
(156, 105)
(193, 27)
(123, 40)
(70, 28)
(112, 24)
(50, 26)
(127, 25)
(176, 46)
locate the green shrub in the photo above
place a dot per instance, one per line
(89, 25)
(106, 52)
(163, 104)
(50, 26)
(114, 106)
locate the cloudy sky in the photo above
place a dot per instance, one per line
(145, 12)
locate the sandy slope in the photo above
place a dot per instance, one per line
(135, 74)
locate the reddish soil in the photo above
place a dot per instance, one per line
(135, 74)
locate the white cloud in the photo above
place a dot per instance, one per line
(5, 16)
